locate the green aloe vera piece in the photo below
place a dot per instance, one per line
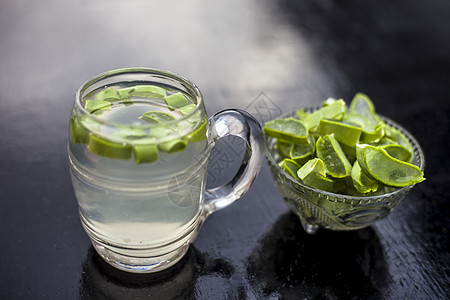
(330, 101)
(94, 106)
(372, 135)
(109, 94)
(379, 165)
(334, 110)
(301, 153)
(371, 132)
(200, 133)
(289, 130)
(360, 153)
(312, 173)
(345, 132)
(332, 208)
(80, 134)
(362, 182)
(145, 151)
(363, 106)
(106, 148)
(397, 137)
(332, 155)
(155, 117)
(148, 91)
(283, 149)
(398, 151)
(302, 114)
(313, 165)
(176, 100)
(125, 95)
(187, 108)
(290, 166)
(175, 145)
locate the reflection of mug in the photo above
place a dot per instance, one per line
(101, 281)
(139, 145)
(193, 275)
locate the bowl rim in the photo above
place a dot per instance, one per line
(416, 151)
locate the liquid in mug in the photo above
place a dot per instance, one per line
(139, 182)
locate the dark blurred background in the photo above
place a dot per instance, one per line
(268, 57)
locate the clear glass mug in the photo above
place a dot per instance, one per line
(139, 145)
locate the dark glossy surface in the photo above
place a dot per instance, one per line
(264, 56)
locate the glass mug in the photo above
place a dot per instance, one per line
(139, 145)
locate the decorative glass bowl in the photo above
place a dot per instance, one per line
(319, 209)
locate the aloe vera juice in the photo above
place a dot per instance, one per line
(135, 170)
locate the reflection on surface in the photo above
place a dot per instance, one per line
(188, 279)
(332, 265)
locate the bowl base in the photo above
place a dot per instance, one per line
(309, 228)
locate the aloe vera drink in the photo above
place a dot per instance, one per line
(137, 173)
(139, 145)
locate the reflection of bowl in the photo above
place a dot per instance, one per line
(288, 262)
(318, 208)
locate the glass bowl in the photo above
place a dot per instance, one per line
(319, 209)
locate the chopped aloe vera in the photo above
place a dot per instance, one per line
(345, 132)
(176, 100)
(149, 119)
(289, 130)
(330, 101)
(155, 117)
(398, 151)
(301, 153)
(80, 134)
(335, 110)
(312, 174)
(90, 124)
(94, 106)
(109, 94)
(362, 182)
(173, 146)
(372, 130)
(383, 142)
(125, 95)
(127, 111)
(372, 135)
(397, 137)
(358, 119)
(301, 114)
(330, 152)
(376, 162)
(358, 151)
(145, 151)
(290, 167)
(148, 91)
(312, 165)
(320, 182)
(283, 149)
(103, 147)
(187, 108)
(331, 207)
(363, 106)
(199, 134)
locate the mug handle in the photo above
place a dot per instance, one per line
(241, 124)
